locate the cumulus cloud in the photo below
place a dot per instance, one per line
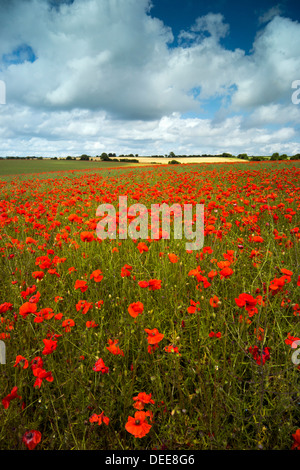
(86, 74)
(268, 15)
(62, 133)
(266, 75)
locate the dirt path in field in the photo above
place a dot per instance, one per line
(164, 161)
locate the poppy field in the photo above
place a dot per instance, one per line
(141, 344)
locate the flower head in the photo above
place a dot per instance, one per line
(141, 400)
(100, 367)
(135, 309)
(154, 336)
(82, 285)
(138, 426)
(31, 439)
(99, 419)
(113, 348)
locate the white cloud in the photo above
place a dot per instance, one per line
(61, 133)
(106, 78)
(268, 15)
(266, 75)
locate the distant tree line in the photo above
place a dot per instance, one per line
(106, 157)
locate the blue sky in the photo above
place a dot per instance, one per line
(245, 17)
(149, 77)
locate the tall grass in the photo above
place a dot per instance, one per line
(209, 391)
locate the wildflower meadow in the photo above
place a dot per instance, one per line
(140, 343)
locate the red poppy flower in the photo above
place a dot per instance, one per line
(213, 273)
(71, 270)
(193, 307)
(172, 349)
(173, 258)
(100, 367)
(35, 298)
(36, 362)
(38, 275)
(67, 324)
(143, 284)
(21, 361)
(44, 314)
(40, 375)
(154, 336)
(225, 272)
(138, 426)
(83, 305)
(50, 346)
(87, 236)
(214, 301)
(290, 339)
(99, 419)
(154, 284)
(43, 262)
(217, 335)
(296, 443)
(82, 285)
(277, 284)
(141, 400)
(126, 270)
(91, 324)
(256, 238)
(113, 348)
(27, 308)
(287, 272)
(13, 394)
(246, 300)
(260, 357)
(30, 240)
(135, 309)
(142, 247)
(296, 309)
(97, 275)
(31, 439)
(5, 307)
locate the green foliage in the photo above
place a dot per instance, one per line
(212, 395)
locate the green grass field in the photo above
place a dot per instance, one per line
(19, 167)
(198, 343)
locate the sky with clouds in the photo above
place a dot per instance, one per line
(149, 77)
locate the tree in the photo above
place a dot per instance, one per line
(224, 154)
(104, 157)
